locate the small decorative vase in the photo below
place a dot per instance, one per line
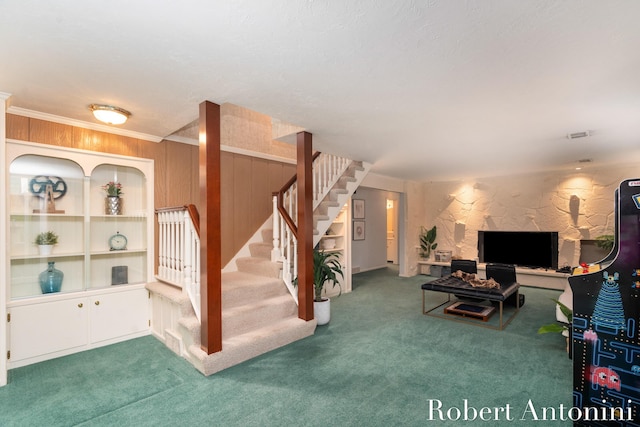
(113, 205)
(51, 279)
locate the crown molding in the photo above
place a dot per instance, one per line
(82, 124)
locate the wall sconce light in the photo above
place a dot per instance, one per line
(109, 114)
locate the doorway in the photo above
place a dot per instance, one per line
(392, 231)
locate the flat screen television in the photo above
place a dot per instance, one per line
(534, 249)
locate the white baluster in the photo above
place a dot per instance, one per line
(186, 252)
(275, 250)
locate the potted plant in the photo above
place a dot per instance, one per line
(558, 327)
(113, 202)
(45, 242)
(605, 242)
(326, 269)
(427, 241)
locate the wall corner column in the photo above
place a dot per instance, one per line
(3, 248)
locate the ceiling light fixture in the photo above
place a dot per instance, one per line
(109, 114)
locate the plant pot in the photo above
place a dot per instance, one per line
(322, 311)
(113, 205)
(45, 249)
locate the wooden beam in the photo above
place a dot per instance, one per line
(210, 226)
(305, 225)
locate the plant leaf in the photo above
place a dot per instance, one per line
(553, 327)
(565, 310)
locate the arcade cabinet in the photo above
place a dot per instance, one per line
(605, 332)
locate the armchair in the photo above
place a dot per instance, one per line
(505, 274)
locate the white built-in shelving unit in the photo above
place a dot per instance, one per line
(90, 310)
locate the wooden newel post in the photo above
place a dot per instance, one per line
(305, 225)
(210, 226)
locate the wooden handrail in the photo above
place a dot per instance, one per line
(280, 198)
(285, 215)
(195, 217)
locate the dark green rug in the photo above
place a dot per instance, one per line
(380, 362)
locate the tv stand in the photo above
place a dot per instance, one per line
(535, 277)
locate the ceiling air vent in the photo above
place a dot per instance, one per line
(577, 135)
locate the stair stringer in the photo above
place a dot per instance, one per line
(339, 195)
(336, 198)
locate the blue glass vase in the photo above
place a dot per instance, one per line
(51, 279)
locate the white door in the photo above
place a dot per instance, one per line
(119, 314)
(49, 327)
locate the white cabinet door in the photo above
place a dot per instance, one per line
(41, 329)
(119, 314)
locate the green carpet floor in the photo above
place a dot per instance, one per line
(378, 363)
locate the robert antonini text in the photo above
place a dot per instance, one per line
(527, 412)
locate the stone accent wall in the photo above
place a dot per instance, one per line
(578, 205)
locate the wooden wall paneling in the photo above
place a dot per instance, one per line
(104, 142)
(179, 170)
(226, 205)
(260, 192)
(279, 174)
(50, 133)
(288, 170)
(274, 176)
(242, 200)
(157, 153)
(195, 176)
(17, 127)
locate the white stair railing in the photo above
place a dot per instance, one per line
(327, 170)
(179, 251)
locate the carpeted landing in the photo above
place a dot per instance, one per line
(380, 362)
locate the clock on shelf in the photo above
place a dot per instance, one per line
(117, 242)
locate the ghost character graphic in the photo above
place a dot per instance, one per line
(605, 377)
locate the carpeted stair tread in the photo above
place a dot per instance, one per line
(323, 207)
(259, 266)
(244, 318)
(261, 250)
(267, 235)
(239, 288)
(243, 347)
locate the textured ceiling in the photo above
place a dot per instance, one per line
(432, 89)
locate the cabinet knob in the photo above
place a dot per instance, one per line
(97, 303)
(79, 305)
